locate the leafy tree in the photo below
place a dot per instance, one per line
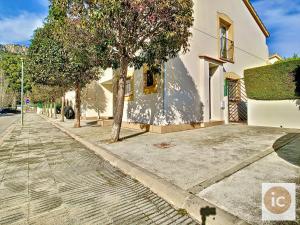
(10, 65)
(6, 96)
(78, 45)
(48, 60)
(134, 32)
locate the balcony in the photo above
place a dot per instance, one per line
(226, 49)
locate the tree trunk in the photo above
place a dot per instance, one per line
(116, 128)
(63, 108)
(77, 106)
(47, 110)
(116, 76)
(55, 115)
(14, 102)
(50, 110)
(99, 116)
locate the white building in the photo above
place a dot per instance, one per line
(228, 37)
(275, 58)
(97, 99)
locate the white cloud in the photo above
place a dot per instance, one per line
(282, 19)
(20, 28)
(44, 3)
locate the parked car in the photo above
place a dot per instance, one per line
(2, 111)
(9, 110)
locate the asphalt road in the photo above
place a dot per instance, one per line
(47, 178)
(6, 120)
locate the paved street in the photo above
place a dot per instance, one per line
(49, 178)
(6, 120)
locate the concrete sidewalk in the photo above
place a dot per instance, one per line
(48, 178)
(200, 161)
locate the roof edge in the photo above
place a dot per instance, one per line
(257, 18)
(276, 55)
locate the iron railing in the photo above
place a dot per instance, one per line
(226, 49)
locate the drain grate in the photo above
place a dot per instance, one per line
(164, 145)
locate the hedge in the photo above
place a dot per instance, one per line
(280, 81)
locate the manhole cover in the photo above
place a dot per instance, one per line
(164, 145)
(291, 150)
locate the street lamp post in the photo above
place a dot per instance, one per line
(22, 93)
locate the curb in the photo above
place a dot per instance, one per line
(284, 140)
(173, 194)
(247, 162)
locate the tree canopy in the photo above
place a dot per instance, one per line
(63, 53)
(141, 31)
(47, 59)
(10, 65)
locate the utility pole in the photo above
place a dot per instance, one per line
(22, 93)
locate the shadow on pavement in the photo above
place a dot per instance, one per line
(288, 148)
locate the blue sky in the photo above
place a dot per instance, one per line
(19, 18)
(282, 18)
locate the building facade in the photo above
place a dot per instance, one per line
(227, 38)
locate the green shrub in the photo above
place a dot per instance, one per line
(280, 81)
(39, 105)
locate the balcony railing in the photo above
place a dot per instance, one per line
(226, 49)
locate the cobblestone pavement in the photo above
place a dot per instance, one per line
(49, 178)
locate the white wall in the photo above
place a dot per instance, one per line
(105, 93)
(273, 60)
(187, 76)
(39, 110)
(70, 96)
(284, 114)
(144, 108)
(182, 101)
(250, 50)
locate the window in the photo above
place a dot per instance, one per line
(223, 38)
(151, 75)
(149, 79)
(226, 44)
(129, 88)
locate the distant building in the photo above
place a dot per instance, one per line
(275, 58)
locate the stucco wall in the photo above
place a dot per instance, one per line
(103, 91)
(187, 78)
(182, 101)
(250, 50)
(284, 114)
(273, 60)
(145, 108)
(39, 110)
